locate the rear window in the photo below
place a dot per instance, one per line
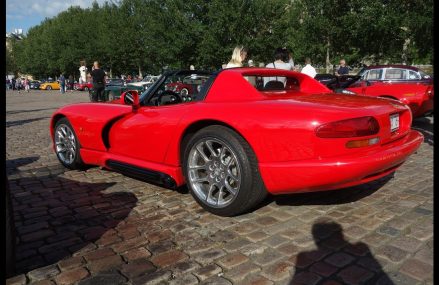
(395, 74)
(274, 83)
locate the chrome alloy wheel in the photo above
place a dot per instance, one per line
(65, 144)
(214, 172)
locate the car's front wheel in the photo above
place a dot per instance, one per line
(49, 87)
(221, 171)
(85, 88)
(67, 146)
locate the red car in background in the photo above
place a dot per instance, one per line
(187, 85)
(237, 138)
(83, 86)
(419, 97)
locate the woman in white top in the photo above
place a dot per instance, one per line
(238, 56)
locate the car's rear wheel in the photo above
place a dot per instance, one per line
(85, 88)
(221, 171)
(67, 146)
(49, 87)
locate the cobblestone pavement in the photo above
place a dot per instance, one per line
(100, 227)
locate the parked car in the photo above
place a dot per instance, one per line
(34, 84)
(85, 86)
(146, 81)
(114, 82)
(49, 85)
(235, 140)
(418, 96)
(185, 86)
(394, 74)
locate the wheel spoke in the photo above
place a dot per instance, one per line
(230, 188)
(210, 147)
(200, 179)
(209, 193)
(201, 152)
(233, 176)
(220, 196)
(197, 167)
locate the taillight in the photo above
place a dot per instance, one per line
(358, 127)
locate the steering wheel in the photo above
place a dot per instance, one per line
(174, 98)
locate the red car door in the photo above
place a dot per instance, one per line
(146, 134)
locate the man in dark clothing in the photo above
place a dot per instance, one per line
(98, 76)
(343, 69)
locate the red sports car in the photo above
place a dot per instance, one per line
(418, 96)
(83, 86)
(237, 139)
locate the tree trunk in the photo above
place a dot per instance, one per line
(111, 72)
(328, 63)
(140, 72)
(404, 50)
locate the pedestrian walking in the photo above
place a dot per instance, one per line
(26, 85)
(62, 83)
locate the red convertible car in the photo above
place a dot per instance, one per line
(83, 86)
(236, 139)
(418, 96)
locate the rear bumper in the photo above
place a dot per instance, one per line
(338, 172)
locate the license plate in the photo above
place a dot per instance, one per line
(394, 122)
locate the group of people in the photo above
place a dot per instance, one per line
(18, 84)
(282, 60)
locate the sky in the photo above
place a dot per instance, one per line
(24, 14)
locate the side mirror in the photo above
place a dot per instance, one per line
(130, 97)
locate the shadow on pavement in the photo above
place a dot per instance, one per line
(27, 111)
(425, 126)
(56, 217)
(337, 260)
(22, 122)
(341, 196)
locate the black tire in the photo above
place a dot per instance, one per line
(251, 190)
(49, 87)
(86, 88)
(76, 162)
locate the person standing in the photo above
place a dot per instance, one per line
(280, 55)
(98, 76)
(62, 83)
(308, 69)
(26, 84)
(238, 56)
(343, 69)
(71, 82)
(18, 84)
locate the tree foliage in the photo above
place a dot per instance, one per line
(132, 36)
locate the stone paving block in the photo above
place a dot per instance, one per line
(183, 267)
(323, 269)
(71, 276)
(105, 263)
(137, 268)
(305, 278)
(41, 273)
(136, 253)
(207, 256)
(416, 269)
(278, 271)
(207, 271)
(216, 280)
(392, 253)
(187, 279)
(238, 273)
(355, 275)
(104, 278)
(168, 258)
(268, 256)
(339, 259)
(232, 259)
(71, 262)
